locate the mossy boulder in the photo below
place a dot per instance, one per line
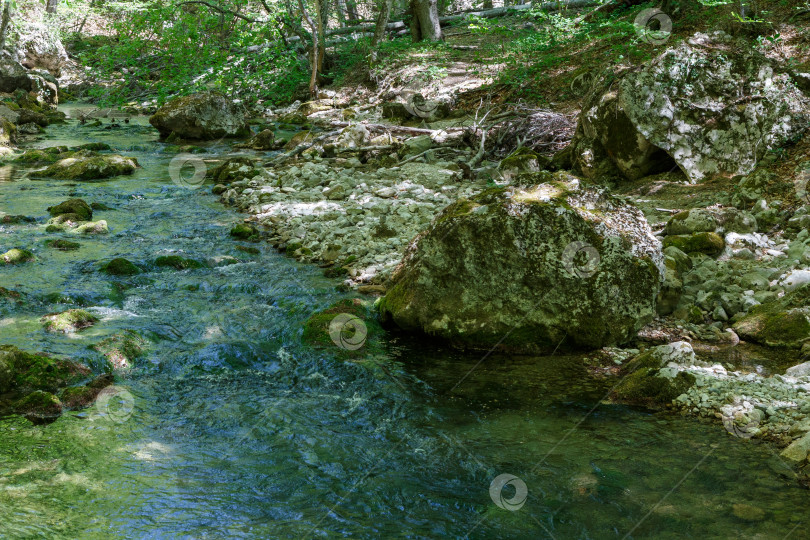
(9, 219)
(36, 371)
(90, 167)
(784, 322)
(69, 321)
(644, 119)
(39, 407)
(63, 245)
(243, 231)
(653, 378)
(177, 262)
(16, 256)
(264, 140)
(297, 139)
(122, 349)
(530, 270)
(120, 267)
(708, 243)
(521, 161)
(92, 227)
(72, 206)
(205, 116)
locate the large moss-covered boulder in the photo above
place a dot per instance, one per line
(530, 269)
(205, 116)
(784, 322)
(712, 113)
(22, 372)
(90, 166)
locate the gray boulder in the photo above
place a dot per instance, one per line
(530, 269)
(710, 114)
(204, 116)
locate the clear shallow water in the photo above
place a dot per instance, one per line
(240, 431)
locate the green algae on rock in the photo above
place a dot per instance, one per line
(90, 167)
(69, 321)
(345, 326)
(76, 207)
(244, 231)
(120, 267)
(177, 262)
(708, 243)
(530, 270)
(646, 379)
(39, 407)
(23, 372)
(784, 322)
(122, 349)
(63, 245)
(16, 256)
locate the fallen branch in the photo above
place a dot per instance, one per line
(301, 148)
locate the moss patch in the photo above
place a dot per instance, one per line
(39, 407)
(16, 256)
(121, 350)
(69, 321)
(177, 262)
(73, 206)
(708, 243)
(120, 267)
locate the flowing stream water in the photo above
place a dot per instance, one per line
(238, 430)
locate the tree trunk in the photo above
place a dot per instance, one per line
(425, 21)
(382, 22)
(4, 23)
(50, 6)
(316, 47)
(351, 10)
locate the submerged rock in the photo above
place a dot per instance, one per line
(39, 407)
(72, 206)
(530, 270)
(177, 262)
(22, 372)
(69, 321)
(208, 115)
(120, 267)
(122, 349)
